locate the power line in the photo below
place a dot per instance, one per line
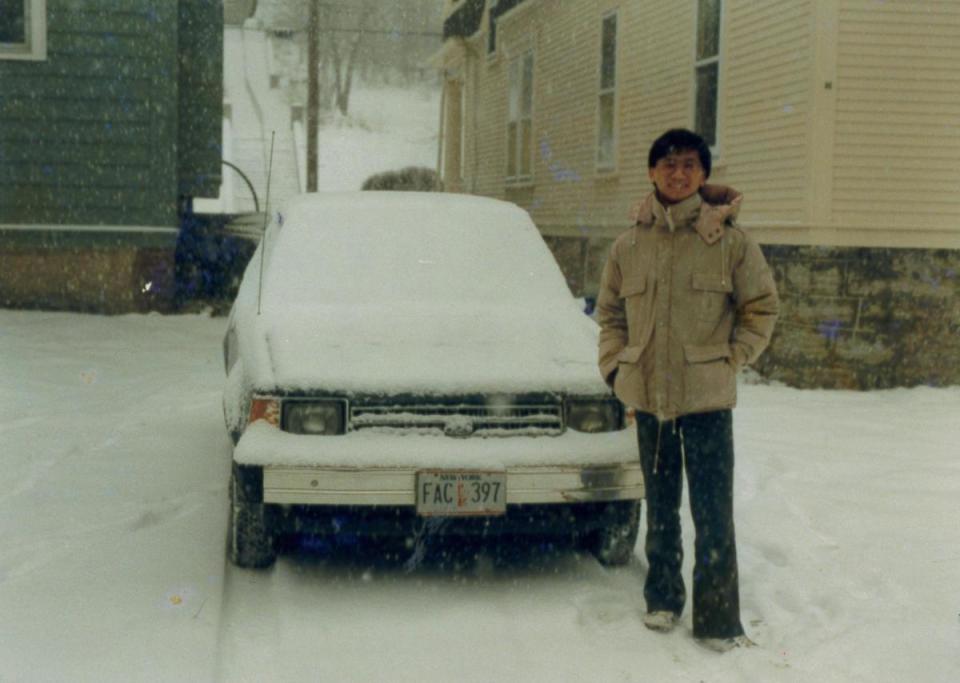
(392, 32)
(337, 29)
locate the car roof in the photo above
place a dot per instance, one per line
(385, 204)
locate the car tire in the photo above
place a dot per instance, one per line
(251, 544)
(613, 544)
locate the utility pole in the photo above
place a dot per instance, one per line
(313, 93)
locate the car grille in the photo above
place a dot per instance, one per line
(461, 419)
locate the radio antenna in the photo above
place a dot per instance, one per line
(266, 221)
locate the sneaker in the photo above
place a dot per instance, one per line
(660, 620)
(726, 644)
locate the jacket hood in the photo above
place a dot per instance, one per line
(719, 204)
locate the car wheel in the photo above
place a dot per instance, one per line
(613, 544)
(252, 543)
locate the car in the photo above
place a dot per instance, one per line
(401, 361)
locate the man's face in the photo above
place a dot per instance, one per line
(678, 175)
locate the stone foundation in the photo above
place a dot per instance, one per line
(853, 318)
(865, 318)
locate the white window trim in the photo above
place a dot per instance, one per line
(603, 167)
(518, 178)
(697, 63)
(35, 48)
(508, 17)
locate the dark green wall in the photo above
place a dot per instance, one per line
(201, 97)
(91, 134)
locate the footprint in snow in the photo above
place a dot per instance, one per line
(604, 610)
(162, 512)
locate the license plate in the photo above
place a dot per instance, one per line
(459, 493)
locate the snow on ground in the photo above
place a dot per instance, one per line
(113, 518)
(112, 507)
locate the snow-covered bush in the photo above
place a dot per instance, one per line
(411, 178)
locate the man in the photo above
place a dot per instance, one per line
(686, 300)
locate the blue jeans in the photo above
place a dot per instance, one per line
(701, 443)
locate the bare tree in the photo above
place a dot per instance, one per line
(372, 39)
(344, 27)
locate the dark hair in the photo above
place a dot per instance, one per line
(680, 140)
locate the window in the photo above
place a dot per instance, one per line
(491, 32)
(520, 119)
(455, 131)
(606, 134)
(23, 29)
(707, 70)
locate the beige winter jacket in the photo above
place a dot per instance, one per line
(686, 300)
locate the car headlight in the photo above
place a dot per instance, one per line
(315, 417)
(594, 415)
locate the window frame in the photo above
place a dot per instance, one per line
(608, 165)
(516, 73)
(34, 46)
(706, 62)
(458, 137)
(491, 34)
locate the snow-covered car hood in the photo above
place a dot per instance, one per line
(405, 292)
(418, 348)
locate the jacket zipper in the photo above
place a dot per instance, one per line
(723, 260)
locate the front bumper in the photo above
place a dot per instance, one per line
(360, 469)
(396, 486)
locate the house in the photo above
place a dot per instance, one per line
(838, 119)
(110, 125)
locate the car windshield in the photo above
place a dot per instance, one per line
(378, 248)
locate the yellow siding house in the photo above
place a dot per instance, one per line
(839, 120)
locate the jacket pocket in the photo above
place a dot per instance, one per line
(708, 282)
(632, 286)
(629, 385)
(714, 294)
(637, 296)
(704, 354)
(710, 377)
(630, 354)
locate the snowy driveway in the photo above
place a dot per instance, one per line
(113, 516)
